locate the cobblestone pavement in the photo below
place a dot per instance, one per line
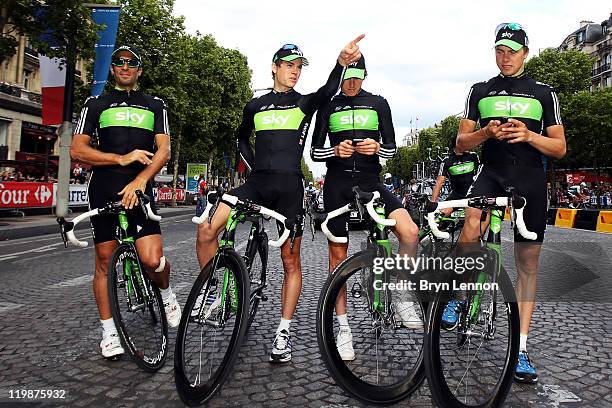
(50, 331)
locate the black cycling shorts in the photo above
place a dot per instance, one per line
(456, 195)
(103, 188)
(282, 192)
(529, 182)
(337, 192)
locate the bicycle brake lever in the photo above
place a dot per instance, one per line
(61, 221)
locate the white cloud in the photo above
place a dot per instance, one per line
(422, 57)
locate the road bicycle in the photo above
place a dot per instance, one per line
(388, 363)
(135, 300)
(471, 363)
(223, 300)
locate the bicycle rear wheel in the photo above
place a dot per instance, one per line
(257, 261)
(137, 309)
(213, 324)
(472, 364)
(388, 364)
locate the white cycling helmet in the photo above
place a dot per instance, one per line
(387, 176)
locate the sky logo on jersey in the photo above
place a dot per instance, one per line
(359, 120)
(510, 107)
(461, 169)
(362, 119)
(286, 119)
(127, 117)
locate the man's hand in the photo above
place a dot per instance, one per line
(137, 155)
(515, 132)
(351, 52)
(129, 199)
(492, 129)
(344, 150)
(368, 147)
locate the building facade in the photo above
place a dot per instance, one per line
(22, 135)
(595, 40)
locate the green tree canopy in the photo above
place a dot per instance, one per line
(69, 21)
(566, 71)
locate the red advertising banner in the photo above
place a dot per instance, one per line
(164, 194)
(23, 195)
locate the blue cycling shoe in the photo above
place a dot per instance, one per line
(450, 317)
(524, 371)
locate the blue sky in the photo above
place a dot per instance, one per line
(423, 57)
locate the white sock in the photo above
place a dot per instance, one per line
(108, 326)
(343, 321)
(523, 343)
(166, 293)
(284, 324)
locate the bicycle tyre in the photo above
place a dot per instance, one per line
(191, 394)
(440, 390)
(149, 361)
(258, 263)
(362, 390)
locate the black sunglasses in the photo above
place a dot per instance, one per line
(131, 62)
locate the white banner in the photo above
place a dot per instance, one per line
(77, 195)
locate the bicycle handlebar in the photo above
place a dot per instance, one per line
(342, 210)
(67, 227)
(233, 201)
(517, 202)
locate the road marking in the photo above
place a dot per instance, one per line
(557, 396)
(40, 249)
(6, 306)
(81, 280)
(18, 241)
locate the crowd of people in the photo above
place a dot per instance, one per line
(18, 176)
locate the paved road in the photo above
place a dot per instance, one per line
(50, 330)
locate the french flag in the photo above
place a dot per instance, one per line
(53, 79)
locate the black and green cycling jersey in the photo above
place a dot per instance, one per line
(460, 170)
(354, 118)
(124, 121)
(281, 121)
(522, 98)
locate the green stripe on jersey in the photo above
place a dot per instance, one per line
(126, 116)
(287, 119)
(510, 107)
(461, 168)
(358, 119)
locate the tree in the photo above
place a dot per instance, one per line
(306, 171)
(569, 73)
(566, 71)
(68, 22)
(589, 129)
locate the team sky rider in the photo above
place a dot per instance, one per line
(280, 120)
(360, 132)
(460, 169)
(129, 125)
(520, 122)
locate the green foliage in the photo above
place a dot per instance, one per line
(566, 71)
(588, 123)
(306, 171)
(69, 20)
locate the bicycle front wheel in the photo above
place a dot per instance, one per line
(388, 360)
(213, 324)
(138, 310)
(257, 261)
(471, 365)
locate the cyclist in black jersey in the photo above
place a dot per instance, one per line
(280, 120)
(520, 124)
(133, 144)
(360, 132)
(460, 169)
